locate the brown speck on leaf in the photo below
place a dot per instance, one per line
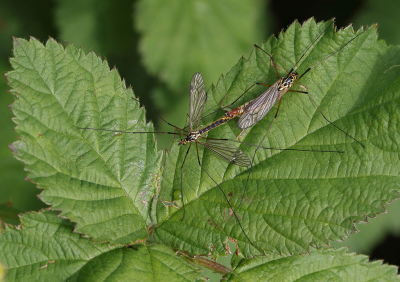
(212, 248)
(237, 252)
(227, 249)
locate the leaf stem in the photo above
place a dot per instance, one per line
(202, 261)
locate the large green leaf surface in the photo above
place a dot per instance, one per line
(107, 182)
(102, 181)
(44, 248)
(319, 265)
(296, 199)
(47, 250)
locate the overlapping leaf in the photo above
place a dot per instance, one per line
(319, 265)
(47, 250)
(100, 180)
(297, 199)
(105, 181)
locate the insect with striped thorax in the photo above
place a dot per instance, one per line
(253, 111)
(220, 147)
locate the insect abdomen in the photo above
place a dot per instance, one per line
(216, 123)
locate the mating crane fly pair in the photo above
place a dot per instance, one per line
(250, 113)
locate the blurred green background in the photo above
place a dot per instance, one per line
(156, 46)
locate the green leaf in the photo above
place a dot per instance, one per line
(319, 265)
(106, 182)
(46, 249)
(100, 180)
(183, 37)
(371, 235)
(296, 199)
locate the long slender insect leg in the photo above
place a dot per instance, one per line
(263, 84)
(159, 116)
(312, 100)
(277, 74)
(298, 91)
(226, 198)
(276, 67)
(226, 95)
(183, 202)
(255, 152)
(348, 42)
(242, 133)
(301, 86)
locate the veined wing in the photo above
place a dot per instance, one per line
(227, 151)
(259, 107)
(198, 97)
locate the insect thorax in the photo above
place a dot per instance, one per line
(192, 136)
(287, 81)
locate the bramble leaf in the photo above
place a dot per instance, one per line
(296, 199)
(101, 180)
(319, 265)
(46, 249)
(106, 182)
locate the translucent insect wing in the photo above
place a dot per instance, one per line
(259, 107)
(198, 97)
(227, 151)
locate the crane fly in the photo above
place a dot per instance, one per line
(227, 151)
(254, 110)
